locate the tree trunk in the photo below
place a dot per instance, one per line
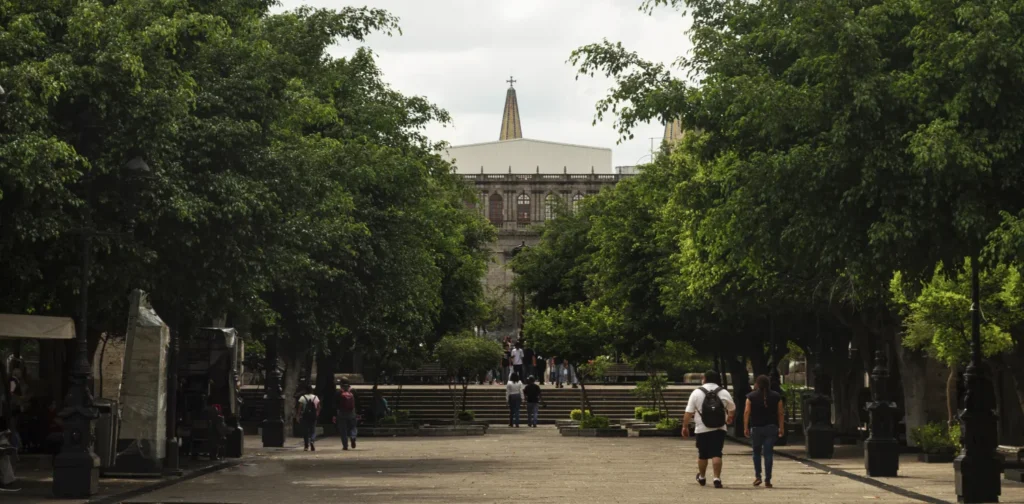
(951, 410)
(465, 392)
(740, 389)
(292, 368)
(923, 393)
(325, 388)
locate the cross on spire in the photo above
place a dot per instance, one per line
(511, 81)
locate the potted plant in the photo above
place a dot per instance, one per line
(936, 443)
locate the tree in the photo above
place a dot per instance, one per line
(938, 320)
(577, 333)
(465, 357)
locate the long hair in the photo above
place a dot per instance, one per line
(514, 378)
(764, 385)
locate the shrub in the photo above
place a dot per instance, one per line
(651, 416)
(594, 422)
(401, 416)
(954, 438)
(638, 412)
(467, 416)
(934, 437)
(669, 424)
(578, 414)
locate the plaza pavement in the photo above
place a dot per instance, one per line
(524, 465)
(536, 465)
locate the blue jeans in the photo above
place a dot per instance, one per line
(531, 413)
(514, 403)
(762, 439)
(347, 428)
(308, 433)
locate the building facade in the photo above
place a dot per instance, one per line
(520, 183)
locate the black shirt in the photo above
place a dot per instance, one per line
(532, 393)
(764, 410)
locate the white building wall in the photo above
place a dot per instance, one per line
(526, 156)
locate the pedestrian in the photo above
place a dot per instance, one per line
(763, 422)
(529, 361)
(346, 418)
(532, 393)
(514, 398)
(714, 409)
(517, 357)
(505, 364)
(542, 366)
(307, 413)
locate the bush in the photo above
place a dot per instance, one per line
(934, 437)
(578, 414)
(638, 412)
(669, 424)
(401, 415)
(651, 416)
(467, 416)
(594, 422)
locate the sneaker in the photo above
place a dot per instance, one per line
(768, 484)
(718, 483)
(305, 448)
(701, 481)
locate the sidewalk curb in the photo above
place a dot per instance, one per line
(164, 483)
(849, 475)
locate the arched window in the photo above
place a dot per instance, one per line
(576, 202)
(523, 209)
(496, 212)
(550, 206)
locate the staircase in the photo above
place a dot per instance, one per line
(426, 404)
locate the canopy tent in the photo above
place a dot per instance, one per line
(36, 327)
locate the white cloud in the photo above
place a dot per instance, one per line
(458, 53)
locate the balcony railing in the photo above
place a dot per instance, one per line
(544, 177)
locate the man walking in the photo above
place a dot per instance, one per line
(517, 357)
(714, 410)
(347, 418)
(308, 412)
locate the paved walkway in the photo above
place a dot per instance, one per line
(509, 465)
(524, 465)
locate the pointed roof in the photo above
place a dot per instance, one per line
(673, 132)
(510, 125)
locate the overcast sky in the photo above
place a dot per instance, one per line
(460, 53)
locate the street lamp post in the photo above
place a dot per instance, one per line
(273, 422)
(881, 450)
(978, 467)
(76, 469)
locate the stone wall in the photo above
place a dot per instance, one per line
(519, 221)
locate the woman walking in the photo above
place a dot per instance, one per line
(763, 422)
(514, 398)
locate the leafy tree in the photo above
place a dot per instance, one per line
(577, 333)
(465, 357)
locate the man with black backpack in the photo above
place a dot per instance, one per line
(714, 409)
(309, 411)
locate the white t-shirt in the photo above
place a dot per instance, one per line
(697, 399)
(517, 356)
(513, 388)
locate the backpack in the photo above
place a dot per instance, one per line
(346, 401)
(309, 410)
(712, 410)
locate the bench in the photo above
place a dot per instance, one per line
(1013, 463)
(624, 373)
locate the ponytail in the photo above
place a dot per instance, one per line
(764, 385)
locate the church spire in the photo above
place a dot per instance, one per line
(510, 126)
(673, 132)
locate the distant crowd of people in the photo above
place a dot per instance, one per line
(520, 358)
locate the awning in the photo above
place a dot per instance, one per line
(36, 327)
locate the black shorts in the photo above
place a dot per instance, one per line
(709, 444)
